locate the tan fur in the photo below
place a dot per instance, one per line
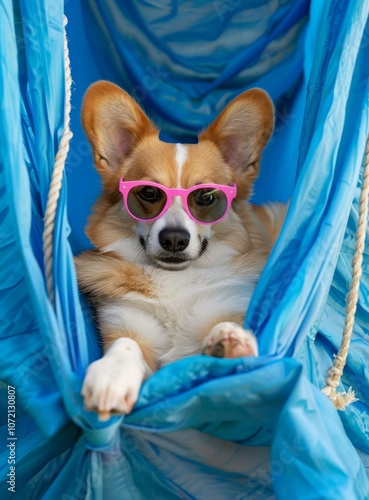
(105, 276)
(241, 132)
(110, 336)
(272, 217)
(205, 164)
(165, 319)
(114, 125)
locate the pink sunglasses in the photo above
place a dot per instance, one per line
(205, 203)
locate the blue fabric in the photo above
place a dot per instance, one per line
(252, 428)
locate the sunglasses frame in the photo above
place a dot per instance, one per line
(126, 186)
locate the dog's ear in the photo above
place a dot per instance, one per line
(114, 124)
(241, 132)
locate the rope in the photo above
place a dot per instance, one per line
(57, 176)
(342, 399)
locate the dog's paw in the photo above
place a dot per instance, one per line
(111, 387)
(229, 340)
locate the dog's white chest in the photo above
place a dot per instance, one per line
(184, 307)
(191, 301)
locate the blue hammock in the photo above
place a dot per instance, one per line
(203, 427)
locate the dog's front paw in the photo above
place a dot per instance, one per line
(111, 387)
(229, 340)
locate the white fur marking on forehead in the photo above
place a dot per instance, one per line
(181, 157)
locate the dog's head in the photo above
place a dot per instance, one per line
(126, 146)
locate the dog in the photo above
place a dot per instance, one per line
(178, 247)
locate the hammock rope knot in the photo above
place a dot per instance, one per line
(333, 380)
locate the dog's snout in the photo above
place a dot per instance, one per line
(174, 240)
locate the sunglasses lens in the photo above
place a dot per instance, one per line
(146, 202)
(207, 204)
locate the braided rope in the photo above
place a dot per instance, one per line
(57, 176)
(342, 399)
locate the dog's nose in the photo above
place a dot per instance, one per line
(174, 240)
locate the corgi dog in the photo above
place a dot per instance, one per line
(178, 246)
